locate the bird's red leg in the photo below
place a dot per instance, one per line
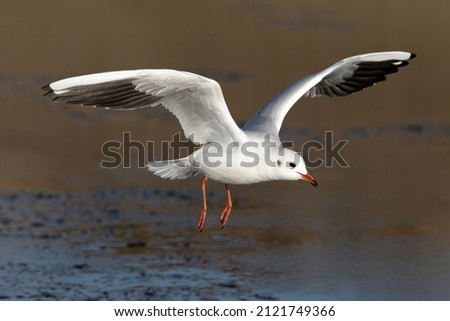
(227, 210)
(201, 221)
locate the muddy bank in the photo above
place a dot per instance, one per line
(378, 229)
(112, 245)
(142, 244)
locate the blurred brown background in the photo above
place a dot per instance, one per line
(263, 44)
(399, 131)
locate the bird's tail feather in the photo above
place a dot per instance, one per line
(173, 169)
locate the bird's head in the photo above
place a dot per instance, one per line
(291, 166)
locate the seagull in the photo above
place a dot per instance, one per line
(227, 154)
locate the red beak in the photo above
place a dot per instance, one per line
(309, 178)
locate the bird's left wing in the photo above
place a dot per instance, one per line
(343, 78)
(196, 101)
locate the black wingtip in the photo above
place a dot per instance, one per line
(413, 55)
(48, 90)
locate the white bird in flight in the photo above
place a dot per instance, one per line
(228, 154)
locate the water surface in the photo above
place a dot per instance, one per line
(71, 230)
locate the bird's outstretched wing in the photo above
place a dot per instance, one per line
(343, 78)
(196, 101)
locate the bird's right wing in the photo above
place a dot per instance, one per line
(196, 101)
(343, 78)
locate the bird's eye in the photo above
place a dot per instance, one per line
(292, 165)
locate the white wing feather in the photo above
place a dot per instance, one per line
(196, 101)
(343, 78)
